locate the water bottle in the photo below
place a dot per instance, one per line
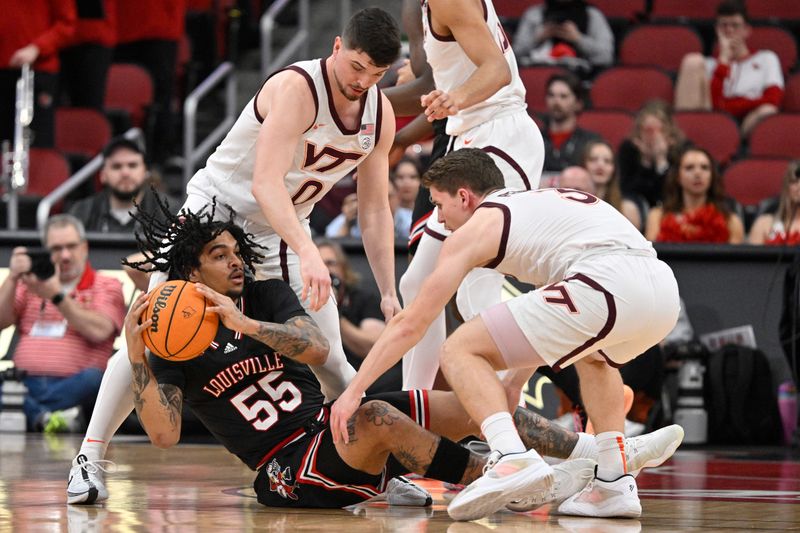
(690, 412)
(787, 405)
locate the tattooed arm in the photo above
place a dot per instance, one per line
(157, 406)
(299, 338)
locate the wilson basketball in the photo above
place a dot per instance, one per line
(181, 328)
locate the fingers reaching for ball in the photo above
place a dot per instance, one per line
(230, 314)
(134, 326)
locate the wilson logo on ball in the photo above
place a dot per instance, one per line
(159, 304)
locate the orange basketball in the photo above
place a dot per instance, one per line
(181, 328)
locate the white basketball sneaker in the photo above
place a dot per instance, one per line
(568, 478)
(505, 478)
(605, 499)
(652, 449)
(85, 484)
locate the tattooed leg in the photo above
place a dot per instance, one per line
(543, 435)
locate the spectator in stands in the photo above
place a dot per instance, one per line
(360, 316)
(126, 188)
(695, 208)
(567, 32)
(577, 178)
(32, 33)
(748, 85)
(86, 58)
(407, 179)
(782, 225)
(346, 223)
(148, 32)
(66, 323)
(564, 141)
(646, 155)
(598, 159)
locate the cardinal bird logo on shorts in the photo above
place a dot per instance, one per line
(281, 482)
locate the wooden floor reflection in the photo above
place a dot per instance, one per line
(203, 488)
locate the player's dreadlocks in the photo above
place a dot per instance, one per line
(173, 244)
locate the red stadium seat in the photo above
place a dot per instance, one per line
(620, 9)
(681, 9)
(774, 9)
(129, 88)
(791, 99)
(776, 136)
(82, 132)
(46, 170)
(715, 131)
(512, 9)
(750, 181)
(613, 126)
(627, 88)
(659, 45)
(535, 81)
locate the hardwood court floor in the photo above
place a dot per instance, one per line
(203, 488)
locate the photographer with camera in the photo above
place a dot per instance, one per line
(67, 317)
(360, 317)
(568, 32)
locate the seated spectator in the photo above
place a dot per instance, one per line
(407, 179)
(598, 159)
(781, 227)
(126, 188)
(360, 317)
(567, 32)
(564, 141)
(646, 155)
(747, 84)
(694, 208)
(67, 322)
(346, 223)
(577, 178)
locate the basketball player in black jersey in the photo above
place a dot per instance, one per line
(253, 391)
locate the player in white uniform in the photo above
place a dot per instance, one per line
(603, 299)
(308, 126)
(479, 90)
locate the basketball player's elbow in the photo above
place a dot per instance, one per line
(316, 353)
(502, 75)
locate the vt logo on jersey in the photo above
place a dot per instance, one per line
(334, 158)
(281, 481)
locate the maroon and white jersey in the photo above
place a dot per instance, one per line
(547, 231)
(452, 67)
(327, 152)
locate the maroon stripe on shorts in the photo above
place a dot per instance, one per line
(284, 263)
(510, 160)
(608, 360)
(610, 321)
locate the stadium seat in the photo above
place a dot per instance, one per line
(627, 88)
(715, 131)
(752, 180)
(613, 126)
(47, 169)
(129, 88)
(791, 99)
(621, 9)
(659, 45)
(776, 136)
(82, 132)
(702, 10)
(535, 81)
(512, 9)
(781, 10)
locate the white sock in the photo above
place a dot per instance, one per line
(501, 433)
(611, 463)
(586, 447)
(113, 405)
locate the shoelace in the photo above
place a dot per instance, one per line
(93, 466)
(494, 457)
(478, 447)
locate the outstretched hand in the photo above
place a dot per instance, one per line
(390, 306)
(438, 104)
(341, 412)
(316, 280)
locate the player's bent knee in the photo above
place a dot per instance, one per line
(380, 419)
(694, 62)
